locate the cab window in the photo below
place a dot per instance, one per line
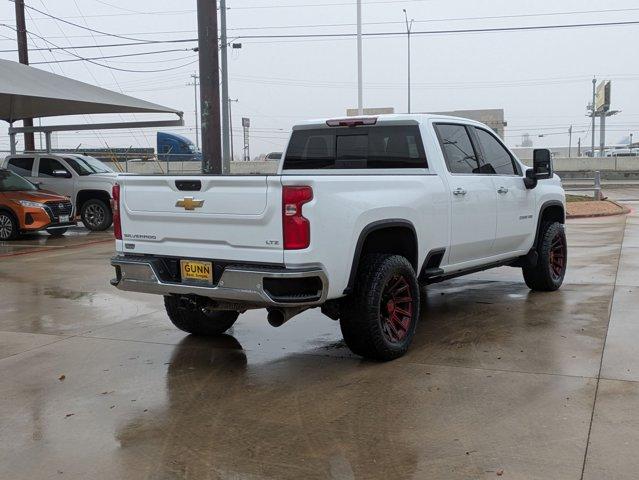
(48, 166)
(496, 159)
(458, 149)
(22, 166)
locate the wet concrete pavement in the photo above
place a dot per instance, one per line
(539, 386)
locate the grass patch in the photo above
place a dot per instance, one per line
(578, 198)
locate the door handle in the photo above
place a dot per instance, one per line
(502, 190)
(459, 192)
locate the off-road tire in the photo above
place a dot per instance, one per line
(552, 250)
(96, 215)
(57, 232)
(9, 229)
(366, 316)
(197, 322)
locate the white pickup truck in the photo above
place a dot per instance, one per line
(361, 212)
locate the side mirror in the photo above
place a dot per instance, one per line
(542, 164)
(38, 185)
(61, 174)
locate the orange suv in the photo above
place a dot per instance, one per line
(24, 208)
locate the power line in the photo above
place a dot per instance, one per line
(80, 26)
(369, 34)
(275, 27)
(80, 59)
(67, 49)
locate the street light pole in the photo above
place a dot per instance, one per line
(231, 126)
(409, 27)
(360, 80)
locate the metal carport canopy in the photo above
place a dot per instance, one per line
(27, 92)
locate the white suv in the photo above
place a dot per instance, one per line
(85, 180)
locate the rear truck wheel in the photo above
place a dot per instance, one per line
(379, 319)
(96, 215)
(57, 232)
(191, 318)
(9, 229)
(549, 272)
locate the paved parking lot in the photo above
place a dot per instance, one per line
(500, 383)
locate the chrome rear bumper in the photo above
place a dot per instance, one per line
(237, 285)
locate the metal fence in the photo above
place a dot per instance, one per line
(150, 164)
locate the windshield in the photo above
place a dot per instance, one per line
(10, 182)
(87, 165)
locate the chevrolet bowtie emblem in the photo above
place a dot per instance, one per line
(188, 203)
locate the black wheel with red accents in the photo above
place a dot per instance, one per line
(548, 275)
(379, 319)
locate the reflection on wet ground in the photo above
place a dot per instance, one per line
(98, 384)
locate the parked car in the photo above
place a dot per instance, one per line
(362, 211)
(26, 209)
(84, 179)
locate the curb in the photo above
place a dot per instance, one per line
(623, 211)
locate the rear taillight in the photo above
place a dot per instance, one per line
(115, 208)
(297, 229)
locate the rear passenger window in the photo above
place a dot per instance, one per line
(21, 166)
(356, 148)
(458, 148)
(497, 160)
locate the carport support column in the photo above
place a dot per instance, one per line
(12, 142)
(47, 136)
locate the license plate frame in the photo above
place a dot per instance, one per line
(196, 271)
(64, 218)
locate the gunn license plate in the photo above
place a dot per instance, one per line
(197, 271)
(64, 218)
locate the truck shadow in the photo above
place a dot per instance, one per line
(301, 416)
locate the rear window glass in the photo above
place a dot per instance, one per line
(458, 148)
(356, 148)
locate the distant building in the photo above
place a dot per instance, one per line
(526, 141)
(494, 118)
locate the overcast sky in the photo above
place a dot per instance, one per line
(542, 79)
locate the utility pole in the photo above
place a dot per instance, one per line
(231, 126)
(23, 57)
(631, 140)
(360, 69)
(209, 86)
(226, 166)
(409, 27)
(593, 111)
(570, 142)
(195, 84)
(579, 147)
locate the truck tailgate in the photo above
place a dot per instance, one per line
(214, 217)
